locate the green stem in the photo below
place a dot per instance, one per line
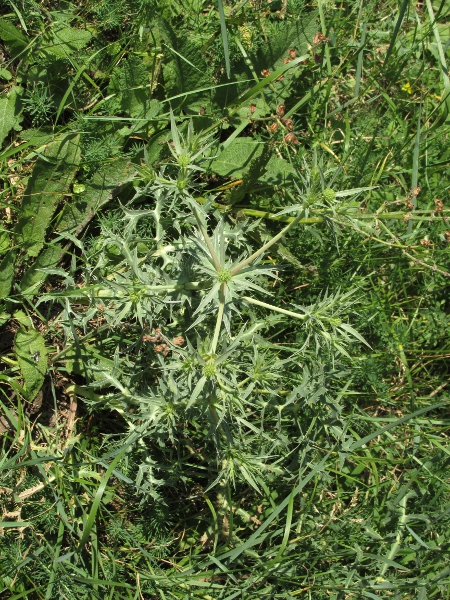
(398, 539)
(283, 311)
(266, 246)
(261, 214)
(324, 33)
(81, 295)
(219, 318)
(169, 287)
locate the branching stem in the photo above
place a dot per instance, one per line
(283, 311)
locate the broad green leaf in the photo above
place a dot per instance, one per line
(129, 85)
(32, 358)
(23, 319)
(76, 214)
(34, 277)
(50, 181)
(279, 171)
(104, 185)
(236, 158)
(13, 38)
(289, 34)
(4, 241)
(241, 157)
(255, 171)
(65, 41)
(10, 112)
(185, 69)
(37, 137)
(7, 273)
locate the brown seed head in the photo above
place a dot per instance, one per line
(163, 348)
(290, 138)
(439, 205)
(281, 109)
(319, 38)
(414, 192)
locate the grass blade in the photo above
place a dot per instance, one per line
(398, 24)
(223, 31)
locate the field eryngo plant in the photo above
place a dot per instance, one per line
(191, 297)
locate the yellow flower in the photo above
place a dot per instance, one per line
(407, 88)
